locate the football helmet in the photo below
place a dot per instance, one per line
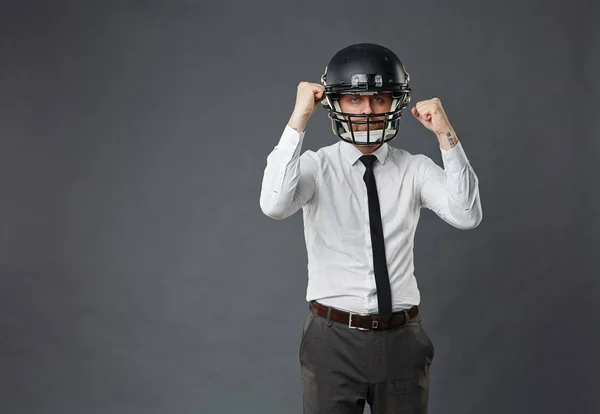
(365, 69)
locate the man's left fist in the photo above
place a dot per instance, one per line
(431, 114)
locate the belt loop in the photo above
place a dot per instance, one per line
(329, 321)
(406, 316)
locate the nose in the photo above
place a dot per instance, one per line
(367, 109)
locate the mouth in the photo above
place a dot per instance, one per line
(373, 126)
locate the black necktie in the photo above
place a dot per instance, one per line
(382, 280)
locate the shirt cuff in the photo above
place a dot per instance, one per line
(455, 158)
(290, 140)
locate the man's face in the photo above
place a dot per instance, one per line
(366, 104)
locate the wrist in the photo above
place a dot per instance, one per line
(441, 132)
(447, 138)
(298, 121)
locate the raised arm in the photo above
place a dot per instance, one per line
(289, 178)
(451, 192)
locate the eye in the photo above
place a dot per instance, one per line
(354, 99)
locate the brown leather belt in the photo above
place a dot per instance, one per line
(364, 322)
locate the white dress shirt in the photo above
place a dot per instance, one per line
(328, 185)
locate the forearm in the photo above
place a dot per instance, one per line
(452, 192)
(288, 178)
(462, 184)
(462, 189)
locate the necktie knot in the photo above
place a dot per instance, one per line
(368, 160)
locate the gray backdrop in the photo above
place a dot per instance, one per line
(138, 274)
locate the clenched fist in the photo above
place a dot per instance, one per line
(308, 96)
(431, 114)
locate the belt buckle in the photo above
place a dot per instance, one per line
(355, 327)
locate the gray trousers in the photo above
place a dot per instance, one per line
(344, 368)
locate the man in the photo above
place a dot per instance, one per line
(363, 339)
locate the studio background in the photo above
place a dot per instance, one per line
(138, 274)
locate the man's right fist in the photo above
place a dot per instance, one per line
(308, 96)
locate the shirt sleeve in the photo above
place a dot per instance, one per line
(289, 179)
(452, 192)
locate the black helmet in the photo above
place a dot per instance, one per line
(365, 69)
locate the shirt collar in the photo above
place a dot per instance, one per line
(353, 154)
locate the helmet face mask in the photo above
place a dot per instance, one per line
(365, 69)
